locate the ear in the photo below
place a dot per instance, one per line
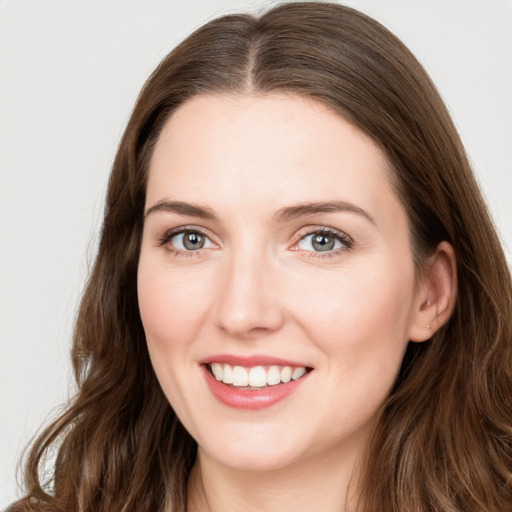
(435, 295)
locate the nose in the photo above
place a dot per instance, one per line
(248, 304)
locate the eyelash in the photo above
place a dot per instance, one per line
(345, 240)
(169, 235)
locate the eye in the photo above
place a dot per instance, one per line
(189, 241)
(324, 241)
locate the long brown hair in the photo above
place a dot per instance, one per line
(444, 442)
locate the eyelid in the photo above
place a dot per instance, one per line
(170, 233)
(346, 240)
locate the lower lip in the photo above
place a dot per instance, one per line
(247, 399)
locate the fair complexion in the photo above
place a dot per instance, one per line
(272, 230)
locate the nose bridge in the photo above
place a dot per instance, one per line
(247, 303)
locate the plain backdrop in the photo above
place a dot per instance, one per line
(69, 74)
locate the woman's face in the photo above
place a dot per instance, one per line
(274, 244)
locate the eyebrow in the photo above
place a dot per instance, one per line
(306, 209)
(181, 208)
(283, 214)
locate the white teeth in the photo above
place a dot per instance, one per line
(298, 373)
(286, 374)
(273, 376)
(257, 376)
(217, 371)
(227, 376)
(240, 376)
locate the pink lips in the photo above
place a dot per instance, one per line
(250, 399)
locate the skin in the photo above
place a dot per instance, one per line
(259, 287)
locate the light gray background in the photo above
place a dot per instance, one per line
(69, 74)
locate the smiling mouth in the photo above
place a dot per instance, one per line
(255, 378)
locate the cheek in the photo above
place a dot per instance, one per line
(360, 318)
(172, 310)
(171, 305)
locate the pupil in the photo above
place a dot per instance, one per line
(193, 241)
(323, 242)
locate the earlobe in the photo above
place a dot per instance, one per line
(436, 294)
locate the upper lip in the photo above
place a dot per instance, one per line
(249, 361)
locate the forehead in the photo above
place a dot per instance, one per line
(254, 150)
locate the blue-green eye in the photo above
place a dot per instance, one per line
(190, 241)
(323, 241)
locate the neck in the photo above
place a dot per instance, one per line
(327, 483)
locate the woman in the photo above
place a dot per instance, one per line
(299, 299)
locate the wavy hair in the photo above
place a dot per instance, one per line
(444, 442)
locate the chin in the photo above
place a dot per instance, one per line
(254, 450)
(254, 460)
